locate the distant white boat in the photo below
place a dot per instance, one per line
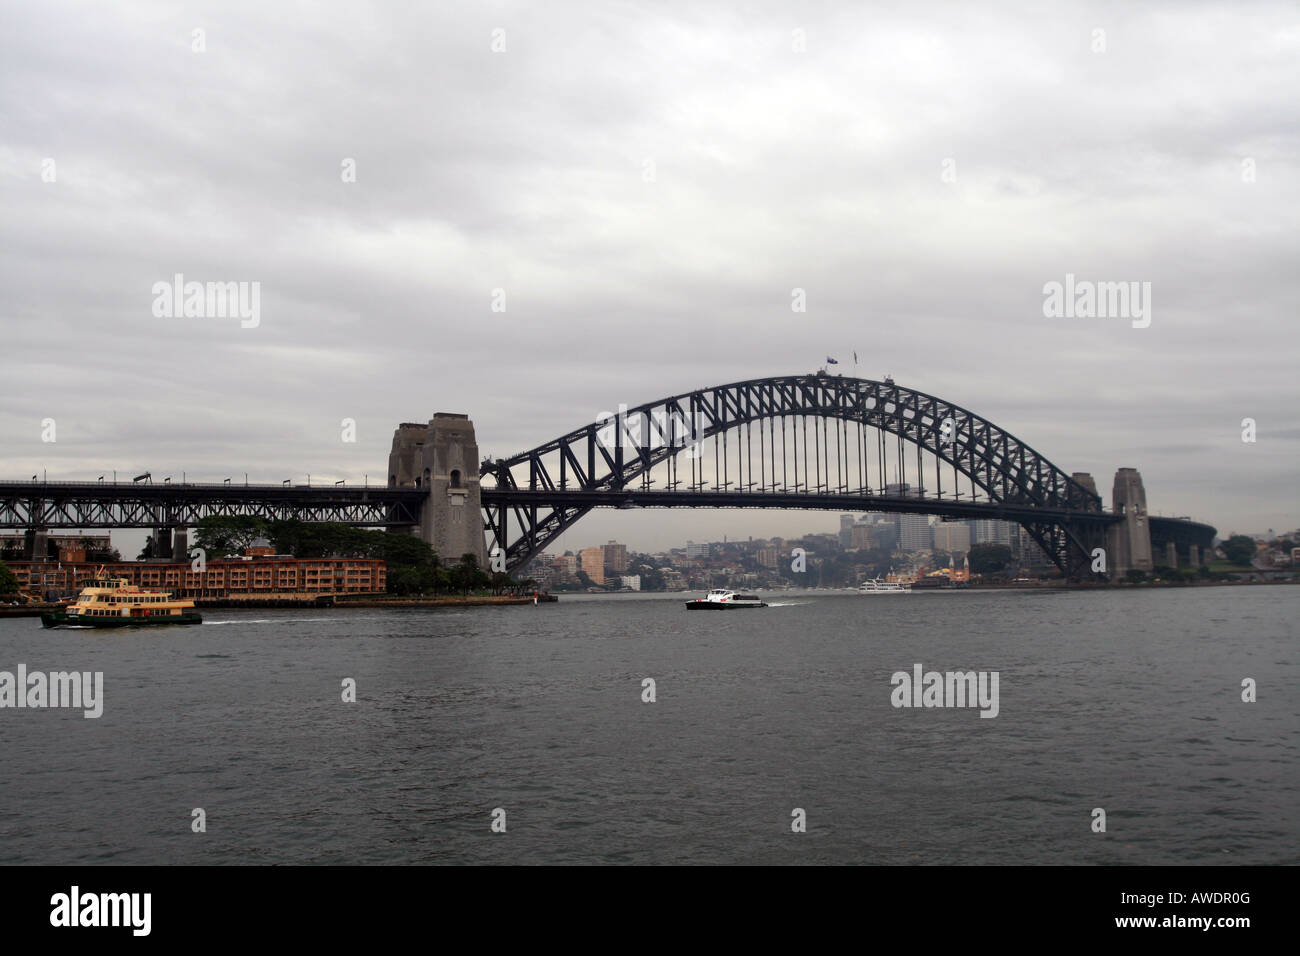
(877, 586)
(720, 599)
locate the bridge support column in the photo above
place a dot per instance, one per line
(162, 544)
(180, 545)
(1193, 556)
(1128, 542)
(1171, 554)
(38, 544)
(443, 458)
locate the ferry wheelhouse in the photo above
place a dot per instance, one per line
(720, 599)
(116, 602)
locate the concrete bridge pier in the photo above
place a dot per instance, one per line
(443, 458)
(162, 544)
(1193, 556)
(38, 544)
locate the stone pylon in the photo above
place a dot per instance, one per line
(442, 457)
(1128, 543)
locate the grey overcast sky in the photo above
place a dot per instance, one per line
(648, 183)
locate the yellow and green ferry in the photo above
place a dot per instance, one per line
(116, 602)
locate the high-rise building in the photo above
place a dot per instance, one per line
(1033, 558)
(593, 564)
(988, 531)
(694, 550)
(863, 536)
(615, 557)
(884, 529)
(952, 537)
(914, 532)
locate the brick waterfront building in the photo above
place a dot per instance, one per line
(224, 577)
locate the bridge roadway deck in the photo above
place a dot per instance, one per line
(830, 501)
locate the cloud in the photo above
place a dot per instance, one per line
(647, 184)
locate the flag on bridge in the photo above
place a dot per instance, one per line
(831, 361)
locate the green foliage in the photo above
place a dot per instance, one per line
(989, 558)
(1135, 575)
(652, 578)
(1239, 549)
(466, 576)
(8, 582)
(220, 535)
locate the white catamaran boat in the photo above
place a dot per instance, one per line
(720, 599)
(877, 586)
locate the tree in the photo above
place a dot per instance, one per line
(404, 581)
(397, 549)
(146, 553)
(229, 534)
(989, 558)
(1239, 549)
(8, 581)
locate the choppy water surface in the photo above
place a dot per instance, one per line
(1125, 700)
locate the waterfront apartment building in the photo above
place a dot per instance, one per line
(223, 578)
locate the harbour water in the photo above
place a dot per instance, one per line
(1123, 700)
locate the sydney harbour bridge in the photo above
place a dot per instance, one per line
(816, 441)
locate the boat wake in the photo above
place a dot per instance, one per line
(269, 620)
(790, 604)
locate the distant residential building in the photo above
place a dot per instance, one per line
(768, 557)
(632, 581)
(615, 558)
(593, 564)
(694, 550)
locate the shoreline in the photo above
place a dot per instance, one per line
(36, 610)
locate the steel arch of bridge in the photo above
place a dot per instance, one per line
(609, 462)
